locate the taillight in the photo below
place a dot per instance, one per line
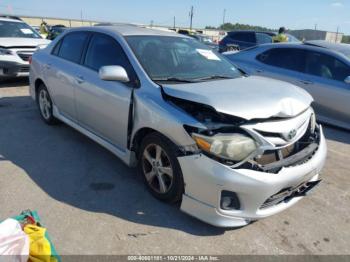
(30, 60)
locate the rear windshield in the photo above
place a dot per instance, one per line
(17, 29)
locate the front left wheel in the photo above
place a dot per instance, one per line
(160, 168)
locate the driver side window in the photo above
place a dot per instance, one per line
(105, 51)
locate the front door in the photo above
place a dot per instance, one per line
(103, 106)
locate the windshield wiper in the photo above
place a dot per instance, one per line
(213, 77)
(173, 79)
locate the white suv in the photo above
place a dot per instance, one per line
(18, 41)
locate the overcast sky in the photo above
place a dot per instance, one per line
(294, 14)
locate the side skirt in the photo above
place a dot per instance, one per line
(127, 156)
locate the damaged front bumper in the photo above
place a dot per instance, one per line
(260, 194)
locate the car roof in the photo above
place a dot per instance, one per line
(10, 20)
(252, 31)
(342, 48)
(130, 30)
(302, 45)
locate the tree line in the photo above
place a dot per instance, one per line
(238, 26)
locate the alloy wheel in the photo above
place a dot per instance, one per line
(157, 169)
(45, 104)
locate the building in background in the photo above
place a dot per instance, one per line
(309, 34)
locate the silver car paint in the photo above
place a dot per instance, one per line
(242, 97)
(331, 97)
(202, 201)
(151, 111)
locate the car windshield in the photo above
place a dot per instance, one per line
(180, 58)
(292, 38)
(59, 29)
(206, 40)
(17, 29)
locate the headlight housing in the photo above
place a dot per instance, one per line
(4, 51)
(234, 147)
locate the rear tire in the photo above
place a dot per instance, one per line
(160, 168)
(45, 105)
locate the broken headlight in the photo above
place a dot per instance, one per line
(235, 147)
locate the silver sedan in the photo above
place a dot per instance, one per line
(202, 133)
(321, 68)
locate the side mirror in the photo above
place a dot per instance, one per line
(347, 80)
(114, 73)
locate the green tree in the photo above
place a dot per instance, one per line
(238, 26)
(346, 39)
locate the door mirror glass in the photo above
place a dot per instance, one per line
(347, 80)
(114, 73)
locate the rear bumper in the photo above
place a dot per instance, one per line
(205, 179)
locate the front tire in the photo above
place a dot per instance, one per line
(160, 168)
(45, 105)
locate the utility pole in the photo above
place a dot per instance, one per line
(152, 22)
(224, 17)
(315, 27)
(336, 36)
(191, 17)
(81, 16)
(174, 22)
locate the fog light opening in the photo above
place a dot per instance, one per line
(229, 201)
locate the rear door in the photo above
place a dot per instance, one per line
(325, 79)
(61, 69)
(103, 106)
(286, 64)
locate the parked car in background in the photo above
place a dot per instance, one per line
(36, 28)
(230, 148)
(18, 41)
(205, 40)
(321, 68)
(55, 31)
(240, 40)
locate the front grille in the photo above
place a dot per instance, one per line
(281, 150)
(24, 69)
(24, 56)
(287, 194)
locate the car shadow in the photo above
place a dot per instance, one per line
(15, 82)
(336, 134)
(73, 169)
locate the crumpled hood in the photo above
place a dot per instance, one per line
(21, 42)
(251, 97)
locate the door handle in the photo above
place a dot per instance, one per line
(306, 82)
(79, 79)
(47, 66)
(259, 71)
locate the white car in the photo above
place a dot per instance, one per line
(18, 41)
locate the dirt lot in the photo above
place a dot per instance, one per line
(93, 204)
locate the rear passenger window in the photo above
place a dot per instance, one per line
(72, 46)
(287, 58)
(104, 51)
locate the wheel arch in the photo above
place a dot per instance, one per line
(139, 136)
(37, 84)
